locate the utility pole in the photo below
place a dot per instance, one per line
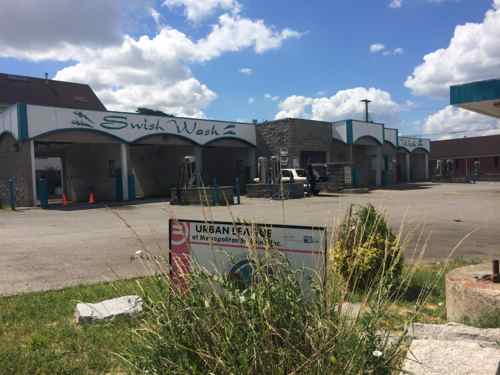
(366, 101)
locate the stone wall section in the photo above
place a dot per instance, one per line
(15, 161)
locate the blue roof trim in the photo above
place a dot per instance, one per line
(22, 121)
(349, 132)
(475, 92)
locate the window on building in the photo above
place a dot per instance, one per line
(495, 161)
(457, 163)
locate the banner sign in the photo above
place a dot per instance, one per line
(413, 143)
(131, 127)
(223, 247)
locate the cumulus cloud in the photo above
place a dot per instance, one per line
(473, 54)
(376, 47)
(274, 98)
(343, 105)
(234, 33)
(394, 52)
(151, 71)
(246, 71)
(32, 24)
(197, 10)
(156, 16)
(251, 100)
(452, 122)
(396, 4)
(381, 48)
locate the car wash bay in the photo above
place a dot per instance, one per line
(155, 162)
(90, 163)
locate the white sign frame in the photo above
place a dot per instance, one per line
(220, 246)
(131, 127)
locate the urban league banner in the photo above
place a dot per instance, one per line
(131, 126)
(223, 247)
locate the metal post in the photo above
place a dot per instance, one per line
(215, 193)
(198, 154)
(408, 167)
(426, 158)
(33, 172)
(124, 170)
(378, 166)
(237, 190)
(12, 193)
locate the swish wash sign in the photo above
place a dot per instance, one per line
(131, 127)
(223, 247)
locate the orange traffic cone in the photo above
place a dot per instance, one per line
(65, 200)
(91, 198)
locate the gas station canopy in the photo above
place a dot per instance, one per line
(481, 97)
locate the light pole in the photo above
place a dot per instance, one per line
(366, 101)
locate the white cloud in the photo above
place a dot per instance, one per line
(452, 122)
(394, 52)
(376, 47)
(396, 4)
(381, 48)
(295, 106)
(156, 16)
(152, 71)
(473, 54)
(234, 33)
(246, 71)
(343, 105)
(36, 24)
(197, 10)
(251, 100)
(274, 98)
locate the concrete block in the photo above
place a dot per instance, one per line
(456, 332)
(89, 312)
(438, 357)
(468, 299)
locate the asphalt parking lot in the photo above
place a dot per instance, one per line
(46, 249)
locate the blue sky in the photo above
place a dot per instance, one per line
(303, 56)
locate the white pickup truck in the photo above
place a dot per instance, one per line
(294, 174)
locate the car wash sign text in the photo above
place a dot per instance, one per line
(132, 127)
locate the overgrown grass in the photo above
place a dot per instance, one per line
(38, 334)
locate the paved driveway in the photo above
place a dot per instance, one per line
(45, 249)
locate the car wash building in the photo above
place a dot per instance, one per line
(115, 155)
(463, 157)
(376, 154)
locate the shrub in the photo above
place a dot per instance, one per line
(272, 327)
(366, 250)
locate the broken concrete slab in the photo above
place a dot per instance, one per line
(438, 357)
(456, 332)
(126, 305)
